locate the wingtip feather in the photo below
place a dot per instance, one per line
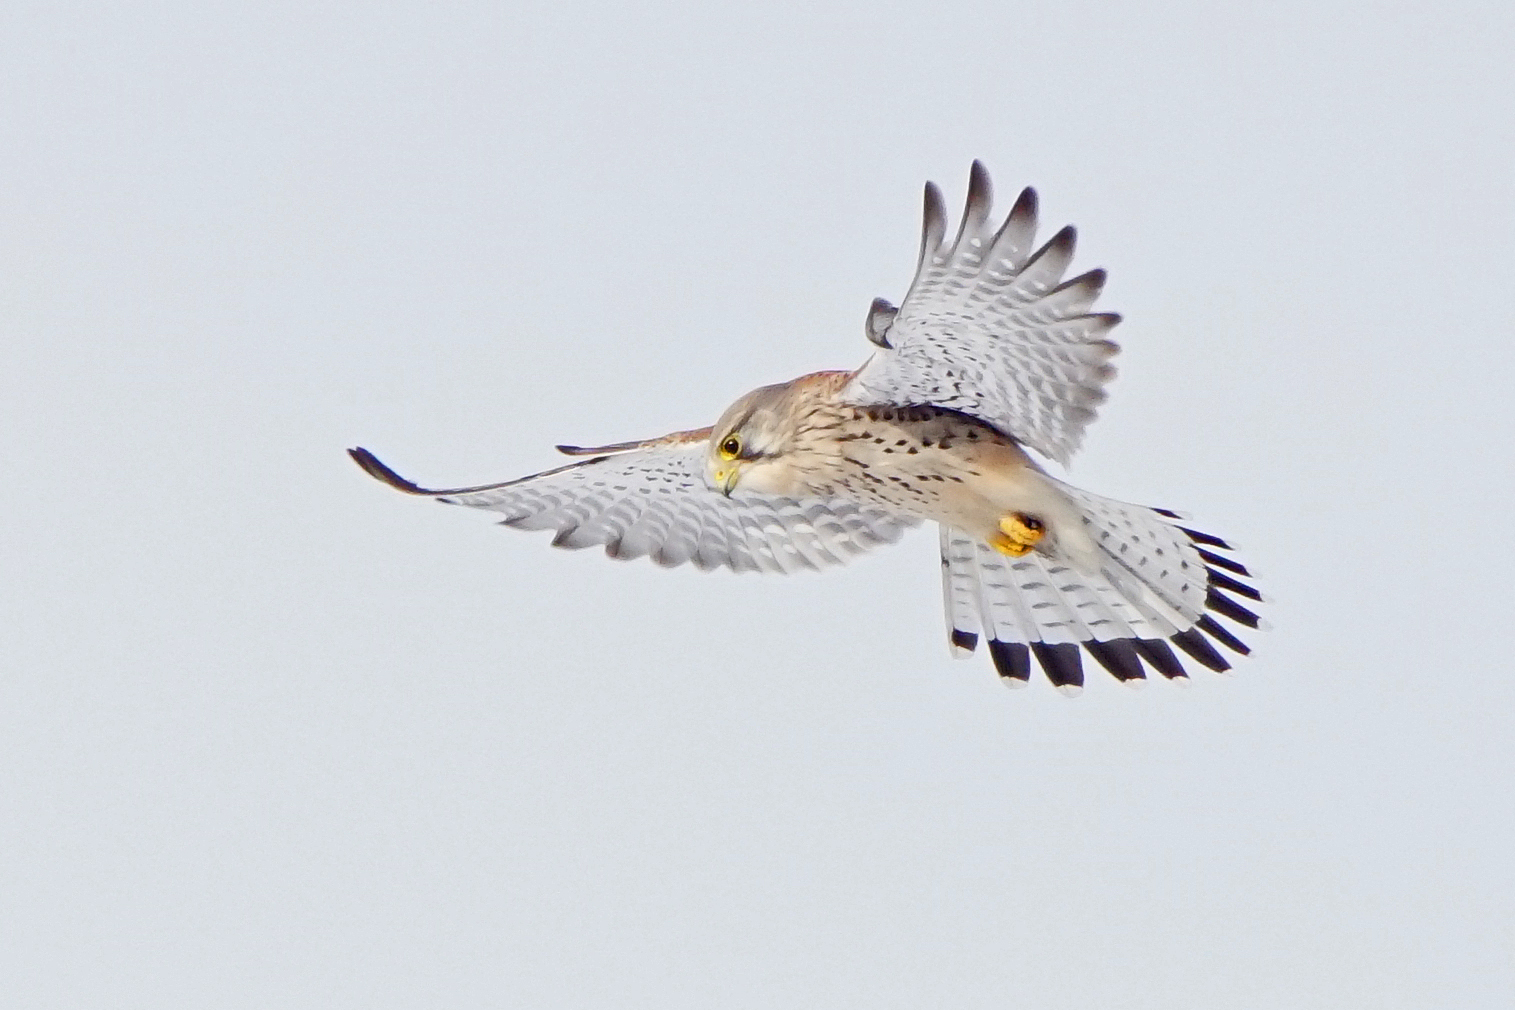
(1026, 206)
(372, 466)
(934, 221)
(980, 198)
(1065, 241)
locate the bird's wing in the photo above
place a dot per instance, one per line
(1159, 583)
(990, 328)
(650, 499)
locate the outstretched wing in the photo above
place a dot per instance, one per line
(650, 499)
(990, 328)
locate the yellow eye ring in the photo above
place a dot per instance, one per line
(731, 448)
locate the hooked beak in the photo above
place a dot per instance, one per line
(726, 478)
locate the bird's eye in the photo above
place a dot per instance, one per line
(732, 447)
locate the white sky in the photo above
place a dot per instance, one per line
(274, 736)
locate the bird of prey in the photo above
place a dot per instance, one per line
(990, 354)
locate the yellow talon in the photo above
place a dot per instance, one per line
(1018, 534)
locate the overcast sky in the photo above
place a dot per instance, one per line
(272, 735)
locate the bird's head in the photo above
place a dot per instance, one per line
(748, 445)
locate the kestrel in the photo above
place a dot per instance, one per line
(990, 354)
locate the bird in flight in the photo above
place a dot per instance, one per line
(990, 354)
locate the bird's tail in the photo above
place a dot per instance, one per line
(1154, 582)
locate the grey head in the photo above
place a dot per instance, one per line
(750, 444)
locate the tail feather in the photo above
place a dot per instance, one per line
(960, 594)
(1157, 582)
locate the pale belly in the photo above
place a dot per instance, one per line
(945, 467)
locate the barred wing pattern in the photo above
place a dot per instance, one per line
(650, 499)
(989, 328)
(1160, 583)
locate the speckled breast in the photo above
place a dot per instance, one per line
(910, 458)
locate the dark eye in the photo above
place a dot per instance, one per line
(732, 446)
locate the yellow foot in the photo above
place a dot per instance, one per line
(1018, 534)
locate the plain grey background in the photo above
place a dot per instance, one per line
(272, 735)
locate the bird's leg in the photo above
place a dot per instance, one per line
(1018, 533)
